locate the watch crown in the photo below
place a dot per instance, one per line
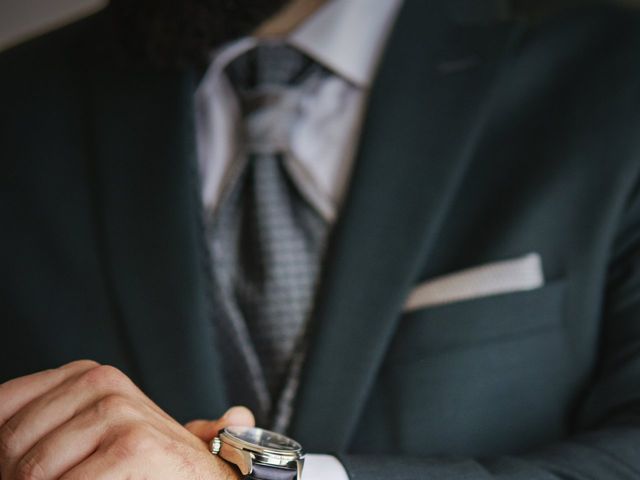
(215, 445)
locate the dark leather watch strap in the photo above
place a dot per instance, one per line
(264, 472)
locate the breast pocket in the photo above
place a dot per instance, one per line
(476, 377)
(473, 322)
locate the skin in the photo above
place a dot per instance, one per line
(89, 421)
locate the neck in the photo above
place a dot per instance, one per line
(295, 13)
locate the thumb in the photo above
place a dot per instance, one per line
(205, 430)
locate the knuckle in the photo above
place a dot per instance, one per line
(29, 468)
(133, 440)
(114, 405)
(120, 452)
(6, 385)
(80, 364)
(105, 376)
(8, 442)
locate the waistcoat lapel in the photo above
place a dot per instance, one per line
(152, 243)
(424, 118)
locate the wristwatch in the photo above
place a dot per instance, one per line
(260, 454)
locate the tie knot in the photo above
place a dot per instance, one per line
(267, 81)
(268, 66)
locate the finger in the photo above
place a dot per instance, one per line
(55, 407)
(74, 441)
(97, 467)
(203, 429)
(17, 393)
(207, 429)
(240, 416)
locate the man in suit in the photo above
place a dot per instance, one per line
(477, 313)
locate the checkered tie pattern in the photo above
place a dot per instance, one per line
(267, 239)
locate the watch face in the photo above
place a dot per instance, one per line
(263, 438)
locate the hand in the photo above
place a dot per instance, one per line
(88, 421)
(205, 430)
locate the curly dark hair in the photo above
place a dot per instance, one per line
(178, 33)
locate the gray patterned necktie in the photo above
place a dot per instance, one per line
(267, 239)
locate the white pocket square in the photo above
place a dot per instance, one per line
(523, 273)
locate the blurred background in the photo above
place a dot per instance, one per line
(22, 19)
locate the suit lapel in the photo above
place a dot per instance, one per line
(149, 223)
(425, 114)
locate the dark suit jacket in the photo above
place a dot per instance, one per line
(483, 141)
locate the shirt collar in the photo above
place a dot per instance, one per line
(347, 36)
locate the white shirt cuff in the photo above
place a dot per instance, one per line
(323, 467)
